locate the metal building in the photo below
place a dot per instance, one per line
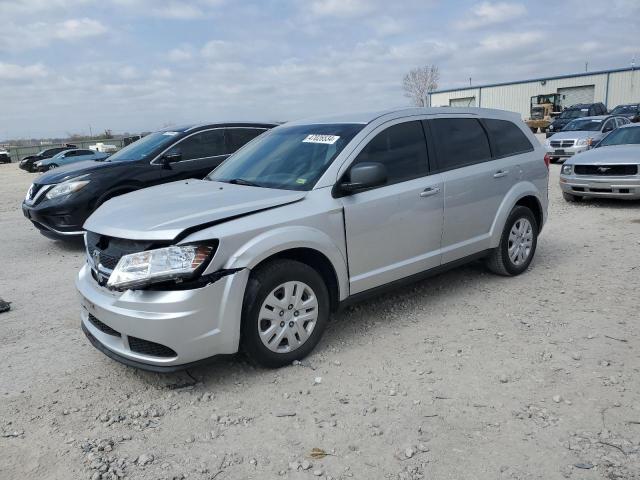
(611, 87)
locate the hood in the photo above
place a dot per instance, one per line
(574, 135)
(615, 154)
(164, 211)
(70, 171)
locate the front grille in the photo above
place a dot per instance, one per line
(562, 143)
(103, 327)
(606, 170)
(153, 349)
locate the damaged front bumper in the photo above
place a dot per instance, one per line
(163, 330)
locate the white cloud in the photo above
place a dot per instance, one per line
(501, 42)
(224, 50)
(20, 37)
(30, 7)
(181, 54)
(339, 8)
(78, 28)
(487, 13)
(10, 71)
(177, 10)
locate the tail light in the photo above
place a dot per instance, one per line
(547, 160)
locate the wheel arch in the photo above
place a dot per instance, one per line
(115, 191)
(307, 245)
(525, 194)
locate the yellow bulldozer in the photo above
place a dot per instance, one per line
(543, 110)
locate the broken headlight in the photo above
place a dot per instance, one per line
(152, 266)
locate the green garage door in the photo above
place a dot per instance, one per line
(572, 95)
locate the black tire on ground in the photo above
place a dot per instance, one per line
(534, 130)
(570, 197)
(261, 283)
(499, 261)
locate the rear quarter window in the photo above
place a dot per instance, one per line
(507, 138)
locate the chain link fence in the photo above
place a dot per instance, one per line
(17, 153)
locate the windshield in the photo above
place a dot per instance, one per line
(143, 147)
(622, 136)
(291, 158)
(625, 110)
(577, 113)
(583, 125)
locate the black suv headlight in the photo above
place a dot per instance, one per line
(152, 266)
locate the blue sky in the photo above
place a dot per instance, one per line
(137, 65)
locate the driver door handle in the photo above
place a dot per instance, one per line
(501, 173)
(429, 191)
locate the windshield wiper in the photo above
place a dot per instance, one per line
(242, 181)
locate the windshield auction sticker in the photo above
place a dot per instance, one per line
(315, 138)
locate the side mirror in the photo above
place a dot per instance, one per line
(608, 128)
(365, 175)
(171, 157)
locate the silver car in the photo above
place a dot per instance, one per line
(612, 169)
(581, 134)
(310, 216)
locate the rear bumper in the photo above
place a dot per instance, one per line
(592, 186)
(191, 325)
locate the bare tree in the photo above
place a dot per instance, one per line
(419, 82)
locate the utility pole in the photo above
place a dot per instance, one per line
(586, 66)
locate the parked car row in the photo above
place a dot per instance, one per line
(611, 169)
(59, 202)
(191, 254)
(195, 251)
(27, 163)
(631, 111)
(581, 134)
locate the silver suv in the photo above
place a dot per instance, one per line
(306, 218)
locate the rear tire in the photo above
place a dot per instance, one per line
(570, 197)
(284, 312)
(517, 244)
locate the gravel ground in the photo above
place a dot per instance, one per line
(463, 376)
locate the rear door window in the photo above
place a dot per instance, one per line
(507, 138)
(402, 149)
(238, 137)
(459, 142)
(209, 143)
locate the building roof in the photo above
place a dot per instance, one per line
(557, 77)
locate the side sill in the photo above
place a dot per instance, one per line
(382, 289)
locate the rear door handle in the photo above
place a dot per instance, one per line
(501, 173)
(429, 191)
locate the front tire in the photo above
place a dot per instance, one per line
(284, 313)
(517, 244)
(570, 197)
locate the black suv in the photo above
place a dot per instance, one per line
(578, 110)
(629, 110)
(27, 163)
(58, 202)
